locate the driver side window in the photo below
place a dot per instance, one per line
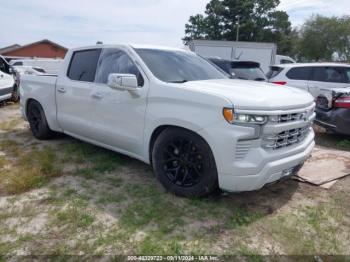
(116, 61)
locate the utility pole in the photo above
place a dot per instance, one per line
(238, 24)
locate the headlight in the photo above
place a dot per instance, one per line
(239, 118)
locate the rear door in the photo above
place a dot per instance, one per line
(74, 93)
(327, 77)
(119, 115)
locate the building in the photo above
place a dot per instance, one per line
(41, 49)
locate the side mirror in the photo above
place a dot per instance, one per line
(123, 81)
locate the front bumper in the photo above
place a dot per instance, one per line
(243, 164)
(271, 172)
(336, 120)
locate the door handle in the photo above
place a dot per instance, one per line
(61, 90)
(97, 95)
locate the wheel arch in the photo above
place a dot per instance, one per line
(158, 130)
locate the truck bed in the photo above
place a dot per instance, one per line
(43, 89)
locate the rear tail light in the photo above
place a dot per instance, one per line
(280, 83)
(342, 102)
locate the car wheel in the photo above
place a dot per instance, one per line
(37, 122)
(15, 94)
(184, 164)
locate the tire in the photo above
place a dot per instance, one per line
(184, 164)
(15, 94)
(37, 122)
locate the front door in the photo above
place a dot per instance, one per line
(119, 114)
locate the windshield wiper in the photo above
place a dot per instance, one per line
(179, 81)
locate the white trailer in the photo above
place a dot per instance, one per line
(263, 53)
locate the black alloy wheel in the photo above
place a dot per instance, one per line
(184, 164)
(37, 121)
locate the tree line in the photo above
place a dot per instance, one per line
(320, 38)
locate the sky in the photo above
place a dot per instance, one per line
(84, 22)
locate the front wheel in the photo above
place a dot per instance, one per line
(37, 122)
(184, 164)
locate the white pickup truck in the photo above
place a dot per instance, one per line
(172, 109)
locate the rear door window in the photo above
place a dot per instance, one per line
(83, 65)
(329, 74)
(116, 61)
(299, 73)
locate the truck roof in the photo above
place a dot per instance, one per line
(132, 46)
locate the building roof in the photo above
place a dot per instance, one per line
(44, 41)
(9, 48)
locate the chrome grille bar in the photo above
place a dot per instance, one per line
(286, 138)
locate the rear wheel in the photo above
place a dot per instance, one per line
(184, 163)
(37, 122)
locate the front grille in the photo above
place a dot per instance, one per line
(288, 118)
(286, 138)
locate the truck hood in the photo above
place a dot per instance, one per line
(252, 95)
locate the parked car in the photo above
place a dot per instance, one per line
(333, 110)
(281, 60)
(311, 77)
(172, 109)
(8, 86)
(50, 66)
(246, 70)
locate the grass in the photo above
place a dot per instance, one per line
(243, 217)
(333, 141)
(90, 160)
(76, 216)
(27, 169)
(10, 124)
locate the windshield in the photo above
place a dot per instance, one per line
(179, 66)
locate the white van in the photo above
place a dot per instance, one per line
(51, 66)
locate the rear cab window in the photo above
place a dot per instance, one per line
(83, 65)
